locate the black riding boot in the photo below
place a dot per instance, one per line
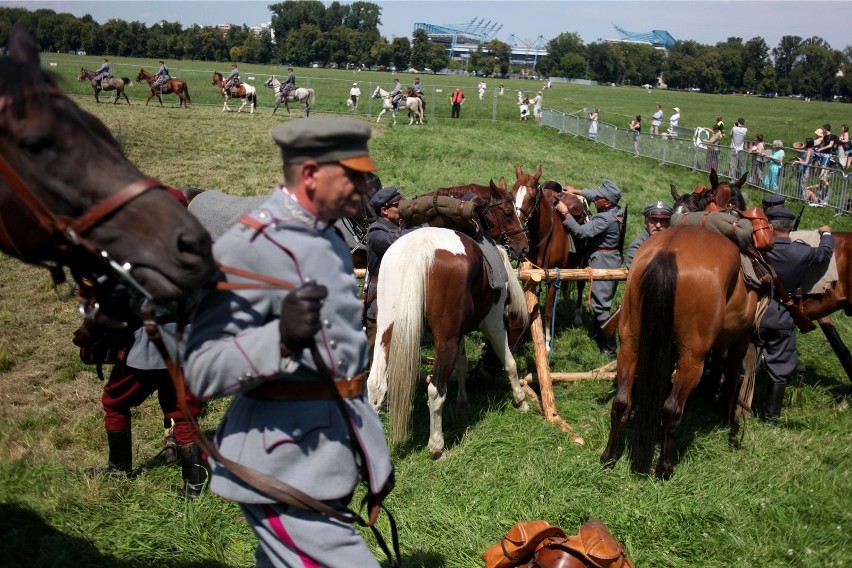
(120, 455)
(193, 469)
(774, 399)
(170, 446)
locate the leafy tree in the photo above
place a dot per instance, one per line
(755, 59)
(501, 52)
(606, 62)
(400, 52)
(731, 63)
(291, 15)
(364, 16)
(557, 48)
(419, 49)
(115, 37)
(300, 45)
(814, 68)
(437, 58)
(335, 15)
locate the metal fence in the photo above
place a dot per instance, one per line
(828, 184)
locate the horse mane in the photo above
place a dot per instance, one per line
(516, 302)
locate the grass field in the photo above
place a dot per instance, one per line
(782, 499)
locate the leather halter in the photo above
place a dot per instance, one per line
(66, 232)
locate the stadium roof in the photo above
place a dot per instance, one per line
(657, 38)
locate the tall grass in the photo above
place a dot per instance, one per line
(781, 499)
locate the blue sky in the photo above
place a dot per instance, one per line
(706, 21)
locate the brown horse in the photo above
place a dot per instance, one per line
(246, 92)
(107, 84)
(176, 86)
(550, 245)
(70, 198)
(679, 305)
(837, 297)
(440, 277)
(723, 195)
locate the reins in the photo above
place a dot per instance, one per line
(270, 486)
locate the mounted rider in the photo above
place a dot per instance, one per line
(101, 73)
(396, 94)
(162, 74)
(417, 88)
(232, 80)
(289, 83)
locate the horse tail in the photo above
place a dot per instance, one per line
(516, 303)
(312, 98)
(186, 91)
(656, 355)
(404, 353)
(127, 82)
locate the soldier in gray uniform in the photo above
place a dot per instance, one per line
(102, 72)
(791, 260)
(602, 235)
(255, 344)
(658, 216)
(230, 80)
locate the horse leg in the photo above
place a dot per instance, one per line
(460, 371)
(242, 106)
(446, 352)
(494, 328)
(625, 375)
(378, 118)
(690, 367)
(547, 316)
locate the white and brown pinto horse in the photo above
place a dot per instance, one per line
(437, 276)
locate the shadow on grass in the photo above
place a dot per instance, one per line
(421, 560)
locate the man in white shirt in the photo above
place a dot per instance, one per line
(657, 120)
(354, 96)
(673, 120)
(737, 156)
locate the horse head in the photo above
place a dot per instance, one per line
(83, 75)
(71, 198)
(377, 93)
(270, 82)
(524, 179)
(217, 78)
(727, 195)
(142, 75)
(512, 234)
(691, 202)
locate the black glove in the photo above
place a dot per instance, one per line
(300, 316)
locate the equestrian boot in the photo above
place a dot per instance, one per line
(193, 469)
(170, 446)
(120, 455)
(774, 399)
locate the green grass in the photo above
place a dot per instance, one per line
(782, 499)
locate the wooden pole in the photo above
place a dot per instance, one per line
(526, 272)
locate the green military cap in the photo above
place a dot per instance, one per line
(326, 140)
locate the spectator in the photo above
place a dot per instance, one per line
(456, 100)
(524, 107)
(720, 124)
(757, 159)
(844, 147)
(712, 160)
(593, 126)
(657, 120)
(673, 122)
(736, 159)
(776, 162)
(827, 146)
(536, 102)
(481, 88)
(803, 168)
(354, 96)
(636, 126)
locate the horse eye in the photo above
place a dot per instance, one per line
(35, 145)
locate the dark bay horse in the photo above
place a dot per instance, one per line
(176, 86)
(70, 198)
(839, 296)
(680, 303)
(550, 245)
(725, 196)
(110, 84)
(246, 92)
(440, 277)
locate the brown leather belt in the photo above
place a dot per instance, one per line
(605, 250)
(309, 390)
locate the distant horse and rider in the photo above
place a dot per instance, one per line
(413, 103)
(304, 95)
(107, 84)
(243, 91)
(170, 86)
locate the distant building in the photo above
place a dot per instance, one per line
(461, 39)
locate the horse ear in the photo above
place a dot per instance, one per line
(22, 47)
(742, 180)
(502, 184)
(518, 171)
(714, 179)
(537, 174)
(674, 191)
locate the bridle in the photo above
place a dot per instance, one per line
(505, 235)
(528, 215)
(66, 233)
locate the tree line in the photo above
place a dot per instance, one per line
(348, 34)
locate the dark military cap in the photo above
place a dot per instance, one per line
(385, 196)
(609, 190)
(780, 212)
(658, 209)
(326, 140)
(773, 200)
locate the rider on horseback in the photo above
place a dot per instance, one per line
(396, 94)
(101, 73)
(232, 80)
(289, 83)
(417, 88)
(162, 74)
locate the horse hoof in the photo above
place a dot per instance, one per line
(438, 455)
(523, 406)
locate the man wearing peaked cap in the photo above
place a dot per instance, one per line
(791, 260)
(772, 200)
(658, 216)
(318, 435)
(380, 236)
(602, 234)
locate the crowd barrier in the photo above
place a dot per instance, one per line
(829, 184)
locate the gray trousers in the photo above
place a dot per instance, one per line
(298, 539)
(780, 354)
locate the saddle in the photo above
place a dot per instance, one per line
(538, 544)
(748, 228)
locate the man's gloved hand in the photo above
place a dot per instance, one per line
(300, 316)
(93, 328)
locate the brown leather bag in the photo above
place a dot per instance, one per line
(761, 230)
(537, 544)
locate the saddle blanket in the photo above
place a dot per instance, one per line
(494, 263)
(818, 279)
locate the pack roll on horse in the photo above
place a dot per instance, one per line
(107, 84)
(245, 92)
(413, 104)
(96, 220)
(304, 95)
(172, 86)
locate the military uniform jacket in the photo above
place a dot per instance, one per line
(602, 233)
(234, 74)
(234, 345)
(164, 71)
(791, 260)
(380, 236)
(634, 246)
(104, 68)
(291, 79)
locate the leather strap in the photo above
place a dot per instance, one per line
(308, 390)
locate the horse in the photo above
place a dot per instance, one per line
(725, 196)
(414, 105)
(306, 96)
(550, 245)
(107, 84)
(437, 276)
(680, 303)
(244, 91)
(71, 199)
(176, 86)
